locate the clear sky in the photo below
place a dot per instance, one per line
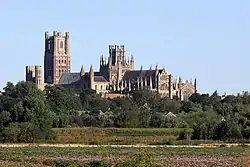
(207, 39)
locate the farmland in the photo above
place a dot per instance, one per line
(34, 156)
(83, 145)
(127, 136)
(120, 136)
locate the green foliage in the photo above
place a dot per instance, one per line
(183, 135)
(210, 116)
(21, 132)
(24, 113)
(11, 133)
(122, 136)
(28, 132)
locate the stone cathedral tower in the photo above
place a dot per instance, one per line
(56, 56)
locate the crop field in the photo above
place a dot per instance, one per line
(125, 136)
(77, 147)
(119, 136)
(44, 156)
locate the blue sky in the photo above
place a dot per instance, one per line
(208, 39)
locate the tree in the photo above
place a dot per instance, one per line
(127, 119)
(26, 109)
(156, 120)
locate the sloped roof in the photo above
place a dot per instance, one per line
(171, 114)
(69, 78)
(99, 79)
(133, 75)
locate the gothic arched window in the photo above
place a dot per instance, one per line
(61, 44)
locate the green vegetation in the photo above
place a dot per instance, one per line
(119, 135)
(28, 115)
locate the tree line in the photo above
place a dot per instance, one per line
(28, 114)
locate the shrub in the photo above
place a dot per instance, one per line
(29, 133)
(183, 135)
(11, 133)
(25, 132)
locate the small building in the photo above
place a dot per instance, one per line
(170, 114)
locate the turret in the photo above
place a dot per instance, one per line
(132, 63)
(156, 77)
(195, 86)
(101, 60)
(109, 68)
(180, 81)
(82, 72)
(156, 68)
(91, 77)
(67, 47)
(46, 41)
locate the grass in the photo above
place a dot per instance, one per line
(119, 136)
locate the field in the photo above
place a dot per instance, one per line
(113, 146)
(119, 136)
(126, 136)
(44, 156)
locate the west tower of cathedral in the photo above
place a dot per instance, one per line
(56, 56)
(116, 73)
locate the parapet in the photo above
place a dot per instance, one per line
(58, 34)
(30, 73)
(116, 47)
(30, 69)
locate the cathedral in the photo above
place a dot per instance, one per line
(116, 73)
